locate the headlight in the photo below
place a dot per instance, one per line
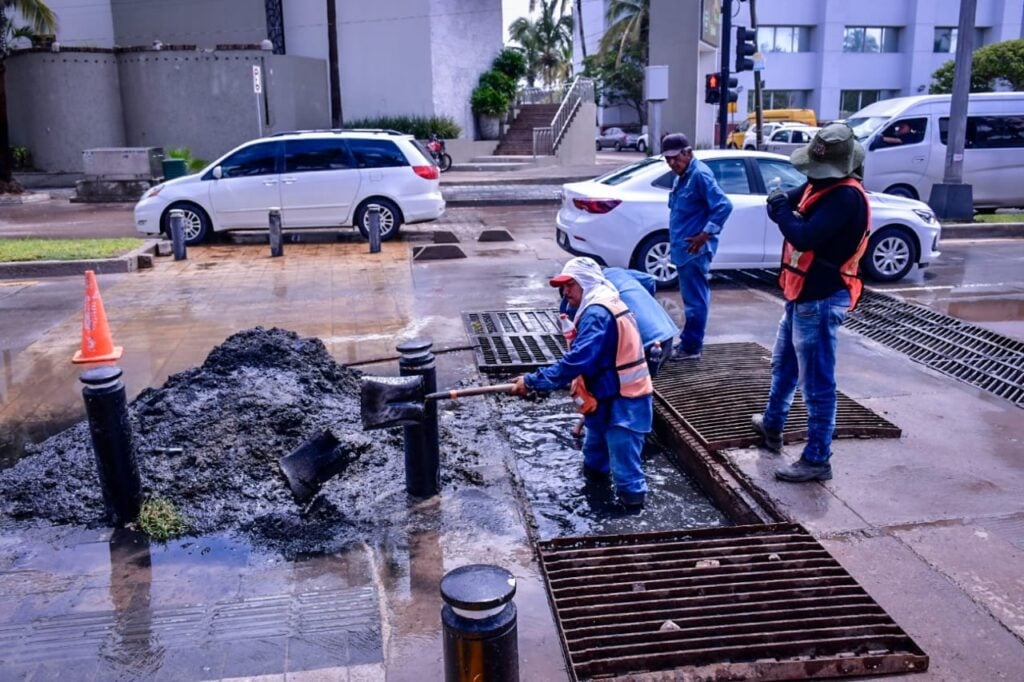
(153, 192)
(927, 216)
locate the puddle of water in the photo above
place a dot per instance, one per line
(987, 309)
(565, 503)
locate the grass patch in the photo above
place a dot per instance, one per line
(12, 250)
(160, 519)
(999, 218)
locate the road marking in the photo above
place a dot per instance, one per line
(20, 283)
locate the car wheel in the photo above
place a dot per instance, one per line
(390, 218)
(618, 146)
(890, 255)
(749, 148)
(197, 223)
(902, 191)
(641, 146)
(654, 256)
(598, 145)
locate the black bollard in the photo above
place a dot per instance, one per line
(373, 227)
(107, 409)
(422, 452)
(276, 240)
(177, 221)
(481, 641)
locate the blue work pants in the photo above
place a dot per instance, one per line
(618, 449)
(696, 293)
(805, 355)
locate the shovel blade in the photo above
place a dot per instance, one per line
(309, 466)
(385, 402)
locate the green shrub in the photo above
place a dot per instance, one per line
(487, 101)
(512, 63)
(22, 158)
(160, 519)
(194, 165)
(419, 127)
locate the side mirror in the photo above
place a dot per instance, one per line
(218, 172)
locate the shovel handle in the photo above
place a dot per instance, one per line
(456, 393)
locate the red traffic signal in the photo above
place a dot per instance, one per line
(712, 83)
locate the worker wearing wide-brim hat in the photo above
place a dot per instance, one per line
(825, 223)
(606, 367)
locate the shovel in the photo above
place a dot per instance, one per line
(399, 401)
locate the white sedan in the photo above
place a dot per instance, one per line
(621, 218)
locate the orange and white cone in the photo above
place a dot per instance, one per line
(97, 344)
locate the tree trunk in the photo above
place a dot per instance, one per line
(7, 183)
(579, 22)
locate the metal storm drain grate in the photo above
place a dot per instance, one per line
(510, 341)
(716, 395)
(980, 357)
(746, 602)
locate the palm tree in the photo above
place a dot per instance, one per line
(546, 42)
(41, 19)
(628, 25)
(562, 6)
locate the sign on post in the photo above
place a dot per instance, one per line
(257, 79)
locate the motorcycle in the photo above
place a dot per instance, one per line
(435, 146)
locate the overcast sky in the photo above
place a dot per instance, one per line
(510, 11)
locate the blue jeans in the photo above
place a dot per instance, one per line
(805, 353)
(614, 447)
(696, 293)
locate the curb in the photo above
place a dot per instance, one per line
(983, 231)
(500, 201)
(24, 198)
(139, 258)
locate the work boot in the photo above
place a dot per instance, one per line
(770, 440)
(631, 500)
(802, 470)
(680, 354)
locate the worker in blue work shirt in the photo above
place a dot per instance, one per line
(637, 289)
(611, 385)
(698, 209)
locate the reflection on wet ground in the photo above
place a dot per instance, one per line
(564, 503)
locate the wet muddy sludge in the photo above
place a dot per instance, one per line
(209, 441)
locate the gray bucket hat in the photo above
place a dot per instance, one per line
(833, 153)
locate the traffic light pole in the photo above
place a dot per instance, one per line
(725, 41)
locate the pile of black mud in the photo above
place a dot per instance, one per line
(209, 439)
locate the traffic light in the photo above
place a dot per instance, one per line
(745, 46)
(712, 83)
(731, 92)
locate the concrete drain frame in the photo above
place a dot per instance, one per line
(764, 602)
(511, 341)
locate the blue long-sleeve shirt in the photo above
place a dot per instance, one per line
(696, 204)
(592, 356)
(637, 289)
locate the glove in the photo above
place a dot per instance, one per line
(778, 204)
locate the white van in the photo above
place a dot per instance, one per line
(905, 139)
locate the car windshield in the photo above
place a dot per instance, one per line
(620, 175)
(864, 126)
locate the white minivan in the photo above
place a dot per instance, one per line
(905, 138)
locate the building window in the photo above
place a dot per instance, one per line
(852, 101)
(779, 99)
(784, 38)
(945, 39)
(871, 39)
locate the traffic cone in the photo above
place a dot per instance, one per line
(97, 345)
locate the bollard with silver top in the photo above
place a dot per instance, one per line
(481, 639)
(422, 451)
(373, 227)
(177, 222)
(276, 239)
(106, 407)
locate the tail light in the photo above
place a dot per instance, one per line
(595, 205)
(427, 172)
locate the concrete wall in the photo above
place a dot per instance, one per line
(577, 147)
(688, 59)
(205, 23)
(465, 36)
(79, 107)
(167, 98)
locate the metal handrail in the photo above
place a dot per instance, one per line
(546, 139)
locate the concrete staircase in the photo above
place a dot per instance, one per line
(518, 140)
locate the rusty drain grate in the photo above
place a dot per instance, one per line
(716, 395)
(746, 602)
(977, 356)
(510, 341)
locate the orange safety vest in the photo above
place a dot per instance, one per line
(630, 361)
(796, 264)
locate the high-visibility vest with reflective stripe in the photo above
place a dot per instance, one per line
(796, 264)
(630, 362)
